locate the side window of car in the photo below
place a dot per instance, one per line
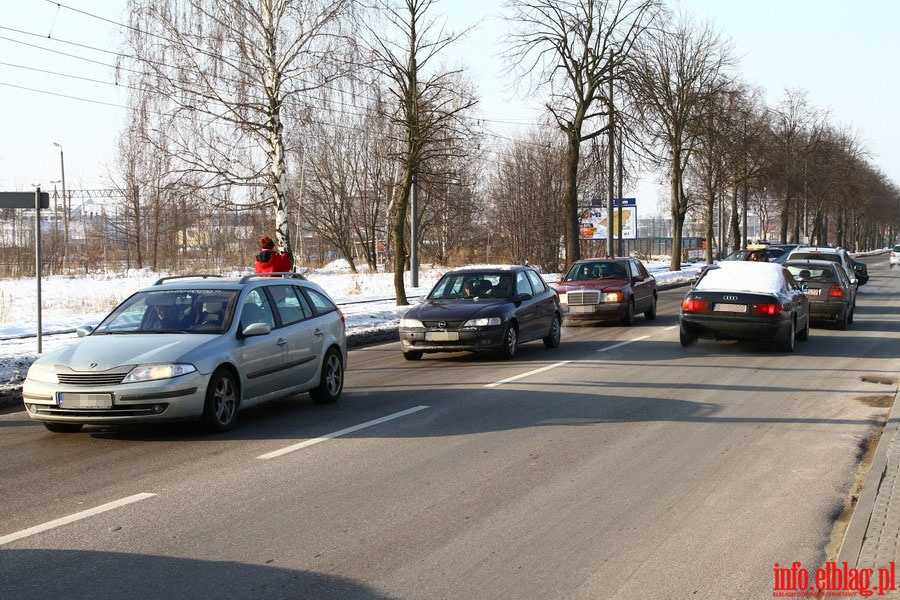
(537, 284)
(642, 271)
(523, 286)
(789, 282)
(257, 309)
(320, 302)
(292, 307)
(633, 271)
(842, 275)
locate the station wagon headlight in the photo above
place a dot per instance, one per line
(411, 323)
(486, 322)
(155, 372)
(45, 373)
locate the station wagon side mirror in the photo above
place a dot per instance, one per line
(254, 329)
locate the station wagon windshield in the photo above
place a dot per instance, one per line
(172, 311)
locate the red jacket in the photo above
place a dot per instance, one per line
(269, 261)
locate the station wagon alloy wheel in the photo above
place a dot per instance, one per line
(221, 402)
(332, 382)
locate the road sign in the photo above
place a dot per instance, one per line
(22, 200)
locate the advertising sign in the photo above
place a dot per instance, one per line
(594, 222)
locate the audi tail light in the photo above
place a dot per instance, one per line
(695, 305)
(767, 310)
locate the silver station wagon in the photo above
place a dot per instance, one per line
(194, 347)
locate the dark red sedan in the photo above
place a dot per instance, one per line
(602, 289)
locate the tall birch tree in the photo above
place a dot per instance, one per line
(234, 73)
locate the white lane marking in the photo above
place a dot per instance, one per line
(528, 374)
(330, 436)
(608, 348)
(72, 518)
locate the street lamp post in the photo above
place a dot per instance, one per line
(65, 204)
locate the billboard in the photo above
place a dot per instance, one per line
(594, 223)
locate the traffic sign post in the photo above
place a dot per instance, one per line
(37, 201)
(25, 199)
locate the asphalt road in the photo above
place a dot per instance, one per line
(619, 465)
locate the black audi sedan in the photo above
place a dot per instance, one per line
(741, 300)
(483, 308)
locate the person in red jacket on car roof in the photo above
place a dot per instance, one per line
(270, 261)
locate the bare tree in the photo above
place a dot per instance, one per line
(749, 135)
(526, 199)
(796, 131)
(431, 103)
(681, 68)
(330, 189)
(576, 48)
(232, 72)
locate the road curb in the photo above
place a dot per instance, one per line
(855, 535)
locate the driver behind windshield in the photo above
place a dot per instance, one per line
(164, 317)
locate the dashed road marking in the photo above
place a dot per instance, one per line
(331, 436)
(73, 518)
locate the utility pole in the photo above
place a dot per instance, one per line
(620, 226)
(610, 229)
(414, 233)
(66, 211)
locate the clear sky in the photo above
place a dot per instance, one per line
(843, 53)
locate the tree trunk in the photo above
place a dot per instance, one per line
(678, 212)
(570, 200)
(398, 237)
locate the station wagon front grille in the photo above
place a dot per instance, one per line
(112, 377)
(583, 297)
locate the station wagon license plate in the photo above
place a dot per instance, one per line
(735, 308)
(812, 292)
(74, 400)
(442, 336)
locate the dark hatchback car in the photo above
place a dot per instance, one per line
(745, 301)
(483, 308)
(601, 289)
(831, 295)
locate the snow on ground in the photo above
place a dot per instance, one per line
(366, 299)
